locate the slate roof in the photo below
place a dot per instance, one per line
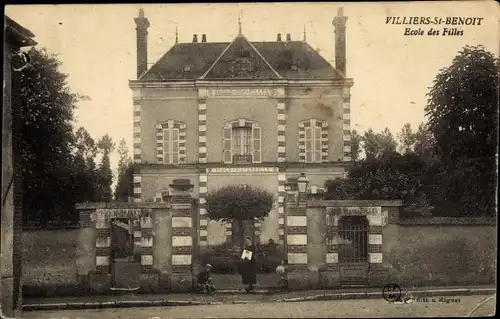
(270, 60)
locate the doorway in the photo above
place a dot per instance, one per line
(353, 250)
(125, 268)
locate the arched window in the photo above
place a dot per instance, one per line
(313, 141)
(171, 142)
(241, 142)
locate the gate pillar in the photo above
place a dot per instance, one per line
(331, 277)
(296, 240)
(181, 279)
(101, 279)
(86, 253)
(148, 279)
(377, 274)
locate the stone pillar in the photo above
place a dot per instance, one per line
(296, 243)
(86, 253)
(281, 125)
(331, 277)
(162, 248)
(148, 279)
(137, 236)
(101, 279)
(137, 188)
(377, 274)
(228, 232)
(281, 207)
(257, 225)
(202, 207)
(182, 238)
(346, 119)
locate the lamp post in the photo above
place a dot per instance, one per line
(302, 184)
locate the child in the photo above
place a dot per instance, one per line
(204, 281)
(281, 270)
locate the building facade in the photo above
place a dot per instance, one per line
(244, 112)
(15, 38)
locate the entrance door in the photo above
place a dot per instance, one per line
(353, 250)
(125, 269)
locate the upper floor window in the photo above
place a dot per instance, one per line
(171, 142)
(313, 141)
(242, 142)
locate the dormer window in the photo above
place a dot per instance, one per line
(187, 68)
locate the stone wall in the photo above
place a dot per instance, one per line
(437, 251)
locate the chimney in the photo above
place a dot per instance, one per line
(195, 38)
(142, 24)
(339, 23)
(288, 37)
(204, 38)
(279, 37)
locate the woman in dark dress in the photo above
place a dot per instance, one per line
(248, 267)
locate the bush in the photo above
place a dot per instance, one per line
(225, 261)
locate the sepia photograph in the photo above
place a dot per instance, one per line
(250, 160)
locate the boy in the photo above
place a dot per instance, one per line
(204, 281)
(281, 270)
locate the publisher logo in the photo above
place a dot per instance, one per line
(391, 292)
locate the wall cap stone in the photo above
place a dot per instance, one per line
(447, 221)
(119, 205)
(354, 203)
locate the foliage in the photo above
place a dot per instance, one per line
(391, 176)
(406, 139)
(463, 117)
(106, 146)
(376, 144)
(238, 202)
(355, 145)
(124, 185)
(48, 168)
(221, 257)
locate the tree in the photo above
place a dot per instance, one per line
(376, 144)
(355, 145)
(47, 106)
(239, 203)
(124, 185)
(407, 139)
(390, 176)
(86, 181)
(424, 143)
(463, 118)
(106, 146)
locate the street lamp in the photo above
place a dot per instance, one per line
(302, 183)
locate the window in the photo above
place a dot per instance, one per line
(171, 146)
(313, 144)
(242, 140)
(313, 141)
(171, 142)
(241, 143)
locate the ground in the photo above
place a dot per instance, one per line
(461, 307)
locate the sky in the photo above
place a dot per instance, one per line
(392, 72)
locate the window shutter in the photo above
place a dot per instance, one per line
(257, 145)
(317, 144)
(175, 145)
(166, 146)
(309, 144)
(227, 155)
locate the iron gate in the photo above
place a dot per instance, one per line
(353, 250)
